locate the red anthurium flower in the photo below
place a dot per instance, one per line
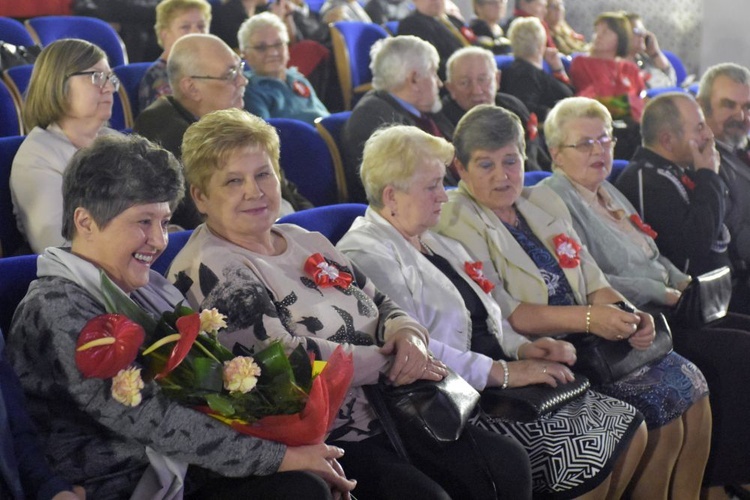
(567, 250)
(474, 270)
(189, 327)
(325, 274)
(645, 228)
(107, 344)
(687, 182)
(301, 89)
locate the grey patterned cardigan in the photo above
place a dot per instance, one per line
(90, 438)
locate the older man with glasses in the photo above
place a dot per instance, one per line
(205, 76)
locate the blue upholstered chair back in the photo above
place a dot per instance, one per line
(130, 76)
(12, 31)
(617, 167)
(332, 221)
(330, 127)
(10, 237)
(306, 161)
(177, 240)
(352, 41)
(16, 273)
(47, 29)
(533, 177)
(677, 64)
(10, 113)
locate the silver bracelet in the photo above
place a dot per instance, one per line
(504, 364)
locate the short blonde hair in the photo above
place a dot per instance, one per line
(257, 22)
(527, 35)
(167, 10)
(394, 154)
(209, 143)
(47, 94)
(571, 109)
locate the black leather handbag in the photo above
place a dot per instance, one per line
(431, 410)
(605, 361)
(526, 404)
(705, 299)
(436, 410)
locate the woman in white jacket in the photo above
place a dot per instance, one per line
(435, 281)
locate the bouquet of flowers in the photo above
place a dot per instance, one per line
(291, 399)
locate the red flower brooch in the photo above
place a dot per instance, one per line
(474, 270)
(326, 274)
(567, 250)
(645, 228)
(687, 182)
(301, 89)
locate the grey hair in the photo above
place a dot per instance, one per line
(527, 36)
(571, 109)
(662, 114)
(116, 173)
(257, 22)
(489, 128)
(186, 56)
(465, 52)
(393, 58)
(735, 72)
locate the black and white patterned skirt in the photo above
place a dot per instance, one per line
(575, 448)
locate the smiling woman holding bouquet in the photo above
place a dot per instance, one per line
(280, 282)
(118, 197)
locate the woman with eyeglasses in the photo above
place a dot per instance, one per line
(68, 104)
(625, 250)
(548, 284)
(273, 89)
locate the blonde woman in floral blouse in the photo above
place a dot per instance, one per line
(278, 281)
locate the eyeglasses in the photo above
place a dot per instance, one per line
(231, 75)
(466, 83)
(99, 78)
(586, 146)
(263, 48)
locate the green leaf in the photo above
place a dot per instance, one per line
(301, 367)
(220, 404)
(208, 374)
(116, 301)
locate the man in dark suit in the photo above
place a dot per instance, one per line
(725, 98)
(431, 23)
(473, 79)
(405, 90)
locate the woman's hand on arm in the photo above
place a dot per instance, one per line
(321, 460)
(549, 349)
(528, 372)
(411, 359)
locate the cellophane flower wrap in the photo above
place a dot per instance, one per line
(269, 394)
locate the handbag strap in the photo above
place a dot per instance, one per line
(375, 397)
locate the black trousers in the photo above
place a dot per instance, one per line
(481, 465)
